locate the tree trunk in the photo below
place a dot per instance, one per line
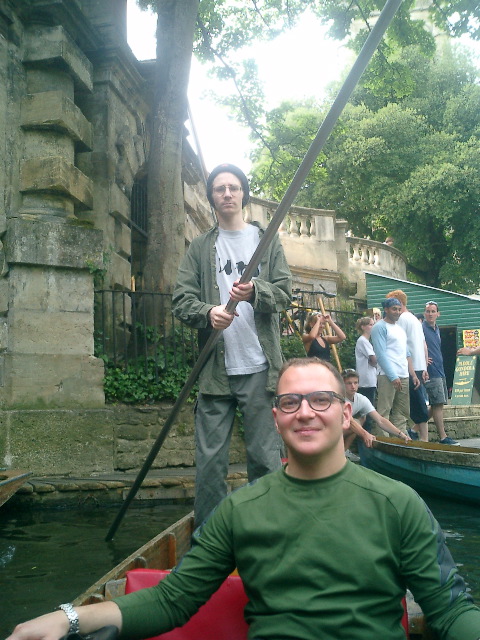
(165, 208)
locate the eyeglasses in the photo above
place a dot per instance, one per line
(233, 188)
(317, 400)
(431, 302)
(348, 372)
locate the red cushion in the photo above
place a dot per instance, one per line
(405, 618)
(220, 618)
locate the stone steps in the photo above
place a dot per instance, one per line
(460, 422)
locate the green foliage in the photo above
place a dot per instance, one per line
(454, 17)
(406, 167)
(292, 347)
(291, 129)
(141, 385)
(99, 273)
(226, 28)
(346, 349)
(159, 375)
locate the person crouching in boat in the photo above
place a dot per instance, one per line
(362, 407)
(324, 547)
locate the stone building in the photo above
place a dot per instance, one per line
(74, 119)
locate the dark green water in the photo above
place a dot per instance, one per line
(50, 557)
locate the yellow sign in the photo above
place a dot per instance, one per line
(471, 338)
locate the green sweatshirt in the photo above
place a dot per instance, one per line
(196, 292)
(320, 560)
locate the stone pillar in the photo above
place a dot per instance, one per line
(47, 341)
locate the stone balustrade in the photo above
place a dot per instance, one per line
(376, 257)
(308, 237)
(318, 249)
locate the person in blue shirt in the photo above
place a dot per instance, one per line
(390, 345)
(436, 385)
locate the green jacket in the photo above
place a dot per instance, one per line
(196, 292)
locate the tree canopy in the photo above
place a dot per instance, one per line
(408, 167)
(214, 30)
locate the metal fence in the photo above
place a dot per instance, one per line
(135, 330)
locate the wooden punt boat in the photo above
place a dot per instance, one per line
(161, 552)
(451, 472)
(165, 550)
(10, 481)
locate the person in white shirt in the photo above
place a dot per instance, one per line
(362, 408)
(366, 363)
(418, 350)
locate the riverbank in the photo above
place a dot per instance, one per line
(171, 485)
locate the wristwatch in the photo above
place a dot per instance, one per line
(72, 616)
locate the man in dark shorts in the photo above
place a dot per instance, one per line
(436, 385)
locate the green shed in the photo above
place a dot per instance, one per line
(457, 311)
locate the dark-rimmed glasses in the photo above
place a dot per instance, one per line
(233, 188)
(317, 400)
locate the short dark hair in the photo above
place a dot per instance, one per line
(431, 302)
(308, 362)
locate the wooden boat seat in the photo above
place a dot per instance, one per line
(220, 618)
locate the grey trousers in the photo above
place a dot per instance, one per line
(214, 418)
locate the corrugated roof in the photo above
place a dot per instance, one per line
(456, 309)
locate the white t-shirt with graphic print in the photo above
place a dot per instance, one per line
(234, 250)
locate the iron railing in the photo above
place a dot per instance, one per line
(136, 329)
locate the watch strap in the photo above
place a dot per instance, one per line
(72, 616)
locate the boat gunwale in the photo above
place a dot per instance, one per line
(140, 558)
(430, 452)
(12, 480)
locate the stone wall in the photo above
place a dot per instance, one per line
(74, 109)
(88, 442)
(47, 249)
(82, 443)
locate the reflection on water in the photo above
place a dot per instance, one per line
(50, 557)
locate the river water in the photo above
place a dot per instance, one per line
(49, 557)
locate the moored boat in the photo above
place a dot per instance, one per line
(10, 481)
(165, 550)
(451, 472)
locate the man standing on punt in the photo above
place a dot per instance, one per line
(325, 548)
(243, 367)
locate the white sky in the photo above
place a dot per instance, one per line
(286, 66)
